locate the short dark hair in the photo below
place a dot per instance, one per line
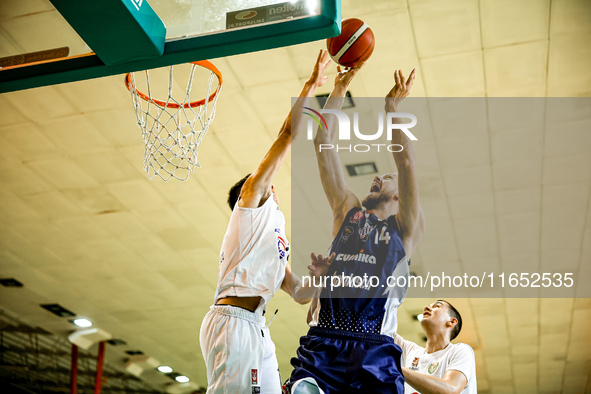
(234, 193)
(453, 312)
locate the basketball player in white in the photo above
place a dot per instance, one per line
(236, 344)
(440, 366)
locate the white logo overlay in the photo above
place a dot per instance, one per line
(344, 131)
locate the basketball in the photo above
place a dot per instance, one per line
(354, 45)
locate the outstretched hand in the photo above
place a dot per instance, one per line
(317, 78)
(400, 90)
(320, 265)
(345, 75)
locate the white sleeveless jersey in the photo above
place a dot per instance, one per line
(254, 253)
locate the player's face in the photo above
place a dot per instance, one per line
(435, 313)
(382, 189)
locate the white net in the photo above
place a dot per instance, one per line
(173, 128)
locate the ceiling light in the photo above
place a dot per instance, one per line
(82, 322)
(10, 282)
(116, 342)
(362, 169)
(419, 317)
(347, 102)
(164, 369)
(182, 379)
(58, 310)
(134, 352)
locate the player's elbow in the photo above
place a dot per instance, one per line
(454, 386)
(286, 131)
(448, 390)
(454, 389)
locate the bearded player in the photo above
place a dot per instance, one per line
(350, 346)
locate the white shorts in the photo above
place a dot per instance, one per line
(238, 352)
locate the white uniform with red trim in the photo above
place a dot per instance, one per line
(459, 357)
(236, 345)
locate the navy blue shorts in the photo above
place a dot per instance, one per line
(346, 362)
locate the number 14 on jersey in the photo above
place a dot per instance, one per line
(383, 236)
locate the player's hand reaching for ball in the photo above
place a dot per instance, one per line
(320, 265)
(317, 78)
(345, 76)
(400, 90)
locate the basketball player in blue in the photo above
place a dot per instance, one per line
(350, 346)
(236, 344)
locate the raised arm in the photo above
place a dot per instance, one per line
(257, 187)
(410, 218)
(339, 195)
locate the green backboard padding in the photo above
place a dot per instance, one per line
(227, 43)
(118, 31)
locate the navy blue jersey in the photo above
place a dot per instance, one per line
(370, 253)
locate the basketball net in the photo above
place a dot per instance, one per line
(174, 128)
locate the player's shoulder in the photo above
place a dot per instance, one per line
(462, 348)
(351, 216)
(356, 212)
(266, 203)
(393, 221)
(462, 345)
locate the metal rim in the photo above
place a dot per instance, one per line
(203, 63)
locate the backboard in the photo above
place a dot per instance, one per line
(49, 42)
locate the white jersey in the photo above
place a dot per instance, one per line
(254, 253)
(458, 357)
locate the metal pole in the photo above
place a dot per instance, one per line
(99, 368)
(74, 373)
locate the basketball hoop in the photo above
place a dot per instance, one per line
(173, 129)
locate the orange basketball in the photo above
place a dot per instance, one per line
(354, 45)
